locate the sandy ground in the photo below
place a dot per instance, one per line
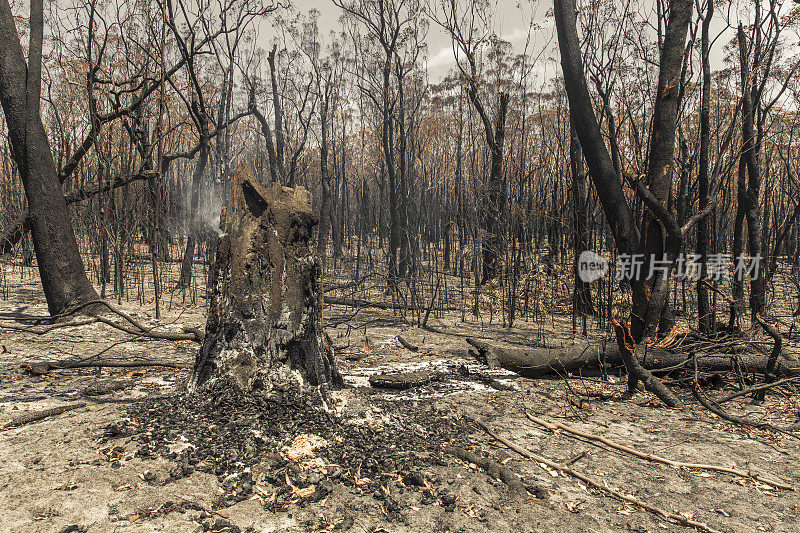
(61, 474)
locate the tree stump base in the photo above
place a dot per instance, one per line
(263, 331)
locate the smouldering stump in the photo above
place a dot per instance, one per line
(264, 331)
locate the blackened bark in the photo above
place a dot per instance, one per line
(607, 180)
(737, 248)
(705, 318)
(194, 234)
(60, 267)
(601, 169)
(326, 208)
(276, 104)
(750, 204)
(264, 331)
(492, 242)
(581, 294)
(659, 165)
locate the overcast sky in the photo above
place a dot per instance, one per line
(512, 19)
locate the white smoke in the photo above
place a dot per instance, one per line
(208, 210)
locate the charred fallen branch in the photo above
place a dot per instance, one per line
(43, 367)
(358, 302)
(630, 352)
(94, 307)
(497, 471)
(582, 435)
(602, 487)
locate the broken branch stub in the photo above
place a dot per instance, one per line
(264, 331)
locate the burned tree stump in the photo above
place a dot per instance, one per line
(264, 331)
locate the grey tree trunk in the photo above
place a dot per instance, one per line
(264, 330)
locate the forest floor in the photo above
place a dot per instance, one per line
(120, 461)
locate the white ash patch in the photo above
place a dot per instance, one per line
(447, 378)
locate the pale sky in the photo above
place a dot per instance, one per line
(511, 22)
(513, 18)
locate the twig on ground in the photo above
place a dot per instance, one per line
(554, 426)
(34, 416)
(717, 410)
(682, 520)
(745, 392)
(203, 507)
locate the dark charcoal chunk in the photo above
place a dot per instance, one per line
(400, 380)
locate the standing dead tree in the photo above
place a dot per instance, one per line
(60, 266)
(660, 237)
(464, 30)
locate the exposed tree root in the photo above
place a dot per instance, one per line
(496, 470)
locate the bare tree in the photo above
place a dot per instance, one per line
(468, 31)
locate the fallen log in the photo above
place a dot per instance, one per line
(400, 380)
(407, 345)
(536, 361)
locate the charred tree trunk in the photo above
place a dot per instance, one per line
(749, 203)
(264, 330)
(492, 242)
(60, 266)
(185, 278)
(326, 207)
(581, 294)
(705, 321)
(647, 302)
(601, 168)
(648, 311)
